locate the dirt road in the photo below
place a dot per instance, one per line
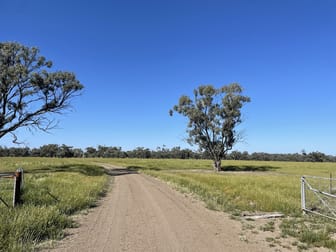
(143, 214)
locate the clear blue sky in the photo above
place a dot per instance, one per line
(136, 58)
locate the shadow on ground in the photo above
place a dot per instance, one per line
(136, 168)
(85, 169)
(249, 168)
(229, 168)
(121, 171)
(94, 170)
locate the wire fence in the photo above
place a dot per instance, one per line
(318, 196)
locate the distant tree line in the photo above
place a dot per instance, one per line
(65, 151)
(315, 156)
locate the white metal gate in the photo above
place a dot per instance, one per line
(318, 195)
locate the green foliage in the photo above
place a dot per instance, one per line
(22, 227)
(213, 116)
(29, 91)
(310, 230)
(54, 189)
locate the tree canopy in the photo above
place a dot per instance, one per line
(213, 116)
(29, 91)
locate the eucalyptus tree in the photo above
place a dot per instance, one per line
(213, 115)
(29, 91)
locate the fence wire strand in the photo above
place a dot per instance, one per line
(6, 190)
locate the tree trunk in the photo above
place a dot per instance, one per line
(217, 165)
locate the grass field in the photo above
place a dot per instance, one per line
(56, 188)
(53, 190)
(249, 186)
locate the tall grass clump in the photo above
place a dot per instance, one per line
(25, 226)
(311, 230)
(53, 190)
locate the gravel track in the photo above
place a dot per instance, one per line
(141, 213)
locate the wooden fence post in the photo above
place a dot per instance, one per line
(18, 185)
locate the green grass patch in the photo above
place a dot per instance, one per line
(310, 230)
(53, 190)
(239, 192)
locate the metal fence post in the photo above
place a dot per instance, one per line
(303, 194)
(330, 184)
